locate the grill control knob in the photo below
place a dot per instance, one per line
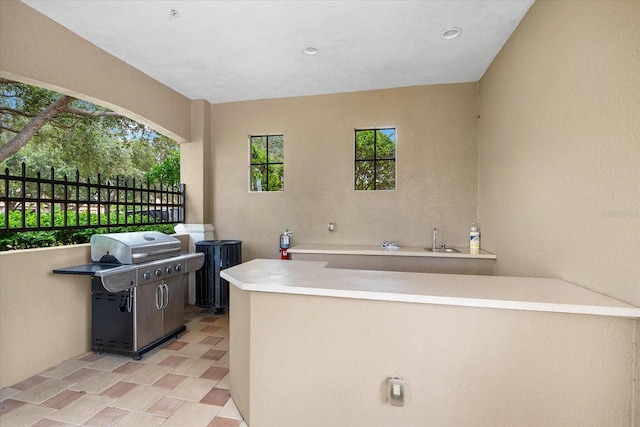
(178, 267)
(159, 272)
(169, 270)
(147, 275)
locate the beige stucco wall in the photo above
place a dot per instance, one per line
(298, 360)
(195, 165)
(45, 319)
(404, 263)
(559, 150)
(34, 49)
(436, 182)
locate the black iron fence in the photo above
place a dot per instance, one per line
(51, 203)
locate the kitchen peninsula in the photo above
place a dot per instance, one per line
(314, 346)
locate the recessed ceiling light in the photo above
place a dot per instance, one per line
(451, 33)
(174, 13)
(310, 50)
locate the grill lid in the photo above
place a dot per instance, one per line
(133, 248)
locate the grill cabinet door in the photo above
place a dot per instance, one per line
(148, 316)
(174, 310)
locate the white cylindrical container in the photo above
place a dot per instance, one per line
(474, 238)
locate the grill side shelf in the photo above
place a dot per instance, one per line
(85, 269)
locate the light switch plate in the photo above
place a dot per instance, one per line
(396, 391)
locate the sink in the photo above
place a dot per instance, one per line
(443, 250)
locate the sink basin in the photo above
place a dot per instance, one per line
(443, 250)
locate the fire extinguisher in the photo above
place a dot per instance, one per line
(285, 241)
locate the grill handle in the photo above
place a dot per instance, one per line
(142, 255)
(166, 295)
(159, 297)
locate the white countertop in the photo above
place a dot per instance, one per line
(512, 293)
(410, 251)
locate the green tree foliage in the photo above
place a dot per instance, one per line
(267, 163)
(84, 137)
(166, 172)
(375, 159)
(11, 240)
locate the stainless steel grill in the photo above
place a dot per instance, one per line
(137, 290)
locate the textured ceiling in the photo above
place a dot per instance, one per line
(226, 51)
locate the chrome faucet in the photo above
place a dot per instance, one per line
(434, 245)
(435, 237)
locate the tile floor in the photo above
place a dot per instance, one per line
(183, 383)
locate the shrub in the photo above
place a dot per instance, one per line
(38, 238)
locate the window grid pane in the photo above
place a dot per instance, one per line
(258, 149)
(365, 145)
(276, 147)
(386, 144)
(385, 175)
(365, 170)
(258, 178)
(276, 177)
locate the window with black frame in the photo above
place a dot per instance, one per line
(267, 163)
(375, 159)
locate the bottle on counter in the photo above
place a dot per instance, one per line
(474, 238)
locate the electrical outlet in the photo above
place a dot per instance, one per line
(332, 226)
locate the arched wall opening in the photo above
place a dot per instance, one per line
(36, 50)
